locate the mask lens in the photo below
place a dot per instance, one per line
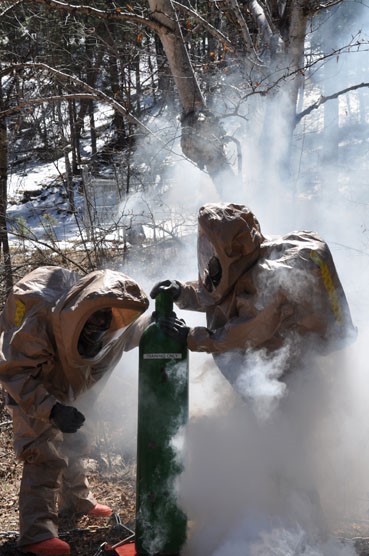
(205, 252)
(90, 340)
(208, 284)
(215, 271)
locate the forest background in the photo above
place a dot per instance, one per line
(118, 120)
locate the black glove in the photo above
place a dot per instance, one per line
(66, 418)
(169, 286)
(174, 327)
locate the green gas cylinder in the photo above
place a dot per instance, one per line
(162, 413)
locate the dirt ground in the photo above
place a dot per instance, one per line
(112, 479)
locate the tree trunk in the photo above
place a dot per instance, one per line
(75, 146)
(117, 94)
(171, 38)
(295, 49)
(202, 136)
(94, 57)
(68, 179)
(165, 83)
(280, 114)
(93, 135)
(4, 240)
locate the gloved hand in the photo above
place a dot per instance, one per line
(66, 418)
(169, 286)
(174, 327)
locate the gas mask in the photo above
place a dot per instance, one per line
(90, 340)
(209, 265)
(212, 274)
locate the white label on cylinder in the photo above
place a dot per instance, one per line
(162, 356)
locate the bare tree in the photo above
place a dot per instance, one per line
(261, 42)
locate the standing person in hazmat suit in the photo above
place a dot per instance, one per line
(259, 293)
(271, 303)
(59, 334)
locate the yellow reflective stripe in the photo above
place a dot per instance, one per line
(329, 286)
(20, 310)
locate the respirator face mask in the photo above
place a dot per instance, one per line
(210, 269)
(91, 338)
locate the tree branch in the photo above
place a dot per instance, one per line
(4, 12)
(324, 99)
(244, 30)
(212, 30)
(260, 89)
(90, 94)
(36, 101)
(262, 19)
(329, 4)
(65, 78)
(37, 242)
(117, 14)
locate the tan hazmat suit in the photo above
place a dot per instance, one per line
(40, 365)
(272, 291)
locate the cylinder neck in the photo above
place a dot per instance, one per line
(163, 305)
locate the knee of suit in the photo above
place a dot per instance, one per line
(44, 452)
(76, 444)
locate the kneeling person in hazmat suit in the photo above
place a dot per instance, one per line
(259, 294)
(60, 334)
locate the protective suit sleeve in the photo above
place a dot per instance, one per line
(241, 332)
(189, 298)
(29, 394)
(26, 357)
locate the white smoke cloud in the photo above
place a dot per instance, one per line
(258, 382)
(285, 484)
(286, 541)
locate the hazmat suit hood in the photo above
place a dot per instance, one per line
(229, 236)
(99, 290)
(41, 326)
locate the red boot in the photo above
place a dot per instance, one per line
(100, 511)
(49, 547)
